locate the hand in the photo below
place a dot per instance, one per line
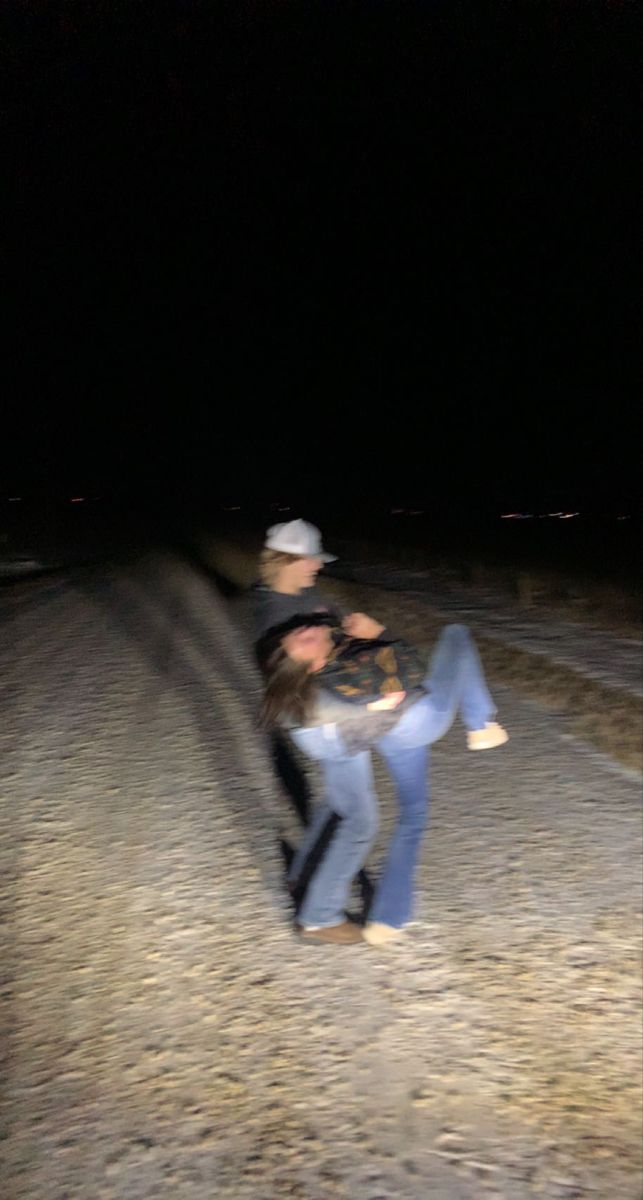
(358, 625)
(387, 702)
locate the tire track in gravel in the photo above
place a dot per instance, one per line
(182, 643)
(104, 941)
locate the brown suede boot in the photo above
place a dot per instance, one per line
(338, 935)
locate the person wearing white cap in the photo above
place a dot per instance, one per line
(290, 562)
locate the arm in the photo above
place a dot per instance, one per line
(358, 625)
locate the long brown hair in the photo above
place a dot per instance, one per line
(289, 690)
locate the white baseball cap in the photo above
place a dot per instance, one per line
(297, 537)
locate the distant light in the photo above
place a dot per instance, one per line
(567, 516)
(627, 518)
(283, 508)
(15, 499)
(516, 516)
(77, 500)
(231, 508)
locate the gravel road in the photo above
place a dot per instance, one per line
(167, 1036)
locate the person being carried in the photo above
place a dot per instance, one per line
(341, 690)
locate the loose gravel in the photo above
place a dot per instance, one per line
(166, 1035)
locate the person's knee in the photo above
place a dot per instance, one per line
(415, 818)
(363, 818)
(367, 821)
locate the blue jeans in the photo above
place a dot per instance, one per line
(350, 795)
(455, 683)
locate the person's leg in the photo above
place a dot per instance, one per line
(455, 683)
(322, 744)
(393, 903)
(323, 814)
(456, 680)
(349, 795)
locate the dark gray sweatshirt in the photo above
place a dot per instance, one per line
(274, 608)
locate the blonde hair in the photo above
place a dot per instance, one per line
(272, 562)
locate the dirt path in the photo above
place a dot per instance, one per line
(167, 1035)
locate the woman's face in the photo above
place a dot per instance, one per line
(308, 645)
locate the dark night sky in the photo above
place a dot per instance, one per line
(383, 247)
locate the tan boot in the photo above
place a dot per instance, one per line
(378, 934)
(485, 739)
(338, 935)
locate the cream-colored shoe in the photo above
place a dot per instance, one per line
(485, 739)
(378, 934)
